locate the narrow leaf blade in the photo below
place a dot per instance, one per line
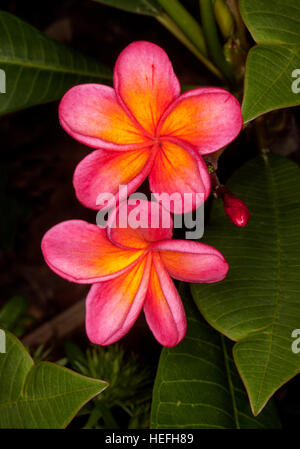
(38, 69)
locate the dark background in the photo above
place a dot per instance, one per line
(38, 159)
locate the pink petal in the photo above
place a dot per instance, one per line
(180, 175)
(192, 261)
(81, 252)
(207, 118)
(140, 224)
(145, 82)
(163, 307)
(91, 114)
(113, 306)
(103, 172)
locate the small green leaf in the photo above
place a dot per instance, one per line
(275, 26)
(12, 311)
(258, 304)
(74, 354)
(197, 385)
(147, 7)
(38, 396)
(38, 69)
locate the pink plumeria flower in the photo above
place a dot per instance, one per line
(130, 269)
(145, 127)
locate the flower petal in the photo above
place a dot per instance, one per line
(113, 306)
(163, 307)
(102, 172)
(192, 261)
(81, 252)
(207, 118)
(175, 171)
(91, 114)
(145, 82)
(138, 223)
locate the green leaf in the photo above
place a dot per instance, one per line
(176, 19)
(74, 354)
(275, 26)
(273, 22)
(39, 69)
(197, 385)
(44, 395)
(12, 311)
(258, 305)
(147, 7)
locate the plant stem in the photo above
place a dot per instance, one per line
(262, 140)
(168, 23)
(241, 29)
(212, 38)
(108, 418)
(186, 22)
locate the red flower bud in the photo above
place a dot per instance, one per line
(235, 209)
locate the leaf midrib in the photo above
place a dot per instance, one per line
(45, 398)
(50, 68)
(150, 6)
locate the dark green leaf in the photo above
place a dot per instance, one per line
(273, 22)
(258, 305)
(197, 385)
(44, 395)
(275, 25)
(39, 69)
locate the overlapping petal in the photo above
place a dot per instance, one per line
(131, 268)
(207, 118)
(102, 172)
(163, 308)
(181, 176)
(145, 82)
(113, 306)
(92, 114)
(192, 261)
(138, 223)
(81, 252)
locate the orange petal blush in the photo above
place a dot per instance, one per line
(127, 279)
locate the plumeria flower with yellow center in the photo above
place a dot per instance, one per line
(131, 269)
(143, 126)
